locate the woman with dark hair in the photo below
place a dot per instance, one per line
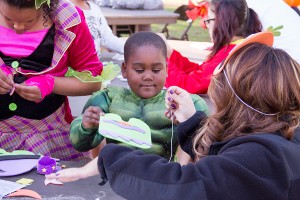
(227, 22)
(39, 40)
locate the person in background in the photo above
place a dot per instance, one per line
(248, 149)
(146, 70)
(39, 41)
(101, 32)
(227, 21)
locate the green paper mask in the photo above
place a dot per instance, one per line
(134, 132)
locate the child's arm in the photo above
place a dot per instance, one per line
(108, 39)
(74, 174)
(84, 129)
(83, 139)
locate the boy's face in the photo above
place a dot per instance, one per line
(146, 71)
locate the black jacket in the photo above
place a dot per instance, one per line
(262, 166)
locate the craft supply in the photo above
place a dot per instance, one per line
(52, 181)
(12, 91)
(8, 187)
(17, 162)
(172, 119)
(134, 132)
(25, 181)
(46, 165)
(25, 193)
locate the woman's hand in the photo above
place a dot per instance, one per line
(6, 80)
(179, 103)
(91, 117)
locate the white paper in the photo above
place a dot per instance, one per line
(8, 187)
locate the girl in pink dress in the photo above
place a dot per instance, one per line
(39, 40)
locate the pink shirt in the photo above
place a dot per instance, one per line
(20, 45)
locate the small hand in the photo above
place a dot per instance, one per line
(45, 84)
(66, 175)
(6, 80)
(91, 117)
(30, 93)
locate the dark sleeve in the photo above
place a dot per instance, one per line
(237, 173)
(186, 131)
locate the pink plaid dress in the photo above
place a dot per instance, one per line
(49, 136)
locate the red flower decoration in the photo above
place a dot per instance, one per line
(199, 10)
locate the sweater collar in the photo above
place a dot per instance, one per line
(141, 99)
(66, 15)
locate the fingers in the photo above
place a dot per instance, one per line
(65, 175)
(91, 117)
(6, 83)
(51, 176)
(178, 96)
(30, 93)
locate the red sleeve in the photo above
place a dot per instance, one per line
(82, 54)
(191, 76)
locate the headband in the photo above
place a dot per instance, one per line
(266, 38)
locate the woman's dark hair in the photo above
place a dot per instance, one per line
(232, 18)
(20, 4)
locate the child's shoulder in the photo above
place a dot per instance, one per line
(196, 97)
(200, 103)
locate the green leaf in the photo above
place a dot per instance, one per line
(39, 3)
(275, 30)
(109, 72)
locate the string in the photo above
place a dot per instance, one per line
(172, 119)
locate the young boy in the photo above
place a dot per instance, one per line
(146, 70)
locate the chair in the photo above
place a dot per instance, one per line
(183, 17)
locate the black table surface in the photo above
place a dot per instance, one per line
(85, 189)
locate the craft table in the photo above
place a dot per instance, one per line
(137, 18)
(85, 189)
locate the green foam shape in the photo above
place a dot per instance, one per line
(134, 132)
(15, 152)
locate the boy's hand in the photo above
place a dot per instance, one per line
(91, 117)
